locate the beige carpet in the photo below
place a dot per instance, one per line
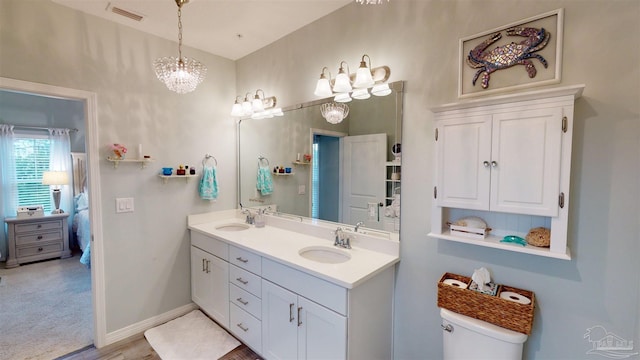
(45, 309)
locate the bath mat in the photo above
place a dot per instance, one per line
(190, 337)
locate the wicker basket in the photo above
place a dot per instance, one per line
(492, 309)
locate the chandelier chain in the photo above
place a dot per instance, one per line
(180, 33)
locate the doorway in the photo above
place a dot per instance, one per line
(89, 100)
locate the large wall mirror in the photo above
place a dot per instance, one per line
(354, 170)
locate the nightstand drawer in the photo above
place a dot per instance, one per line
(41, 226)
(39, 237)
(42, 249)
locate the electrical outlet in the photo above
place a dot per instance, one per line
(124, 205)
(302, 189)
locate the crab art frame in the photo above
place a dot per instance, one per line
(540, 56)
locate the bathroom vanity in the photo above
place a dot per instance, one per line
(287, 292)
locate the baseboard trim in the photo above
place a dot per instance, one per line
(142, 326)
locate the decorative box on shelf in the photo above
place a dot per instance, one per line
(469, 232)
(510, 308)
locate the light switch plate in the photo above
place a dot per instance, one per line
(124, 205)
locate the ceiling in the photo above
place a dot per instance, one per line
(227, 28)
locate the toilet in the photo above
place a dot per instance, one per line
(466, 338)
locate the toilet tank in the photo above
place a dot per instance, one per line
(469, 338)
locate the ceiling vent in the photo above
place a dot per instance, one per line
(125, 13)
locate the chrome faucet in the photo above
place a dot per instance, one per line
(358, 224)
(251, 219)
(342, 240)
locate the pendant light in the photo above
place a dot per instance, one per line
(333, 112)
(180, 74)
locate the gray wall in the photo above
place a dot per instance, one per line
(146, 252)
(419, 41)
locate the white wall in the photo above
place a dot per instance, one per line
(419, 41)
(146, 252)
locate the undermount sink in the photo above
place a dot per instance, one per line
(233, 227)
(324, 254)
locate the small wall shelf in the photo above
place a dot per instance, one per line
(166, 178)
(283, 174)
(301, 162)
(143, 162)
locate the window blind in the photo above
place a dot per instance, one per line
(32, 159)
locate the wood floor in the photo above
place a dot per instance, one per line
(138, 348)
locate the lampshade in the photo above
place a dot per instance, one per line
(256, 104)
(364, 79)
(343, 82)
(342, 98)
(323, 86)
(381, 89)
(55, 178)
(333, 112)
(236, 110)
(360, 94)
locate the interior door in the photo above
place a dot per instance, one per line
(363, 182)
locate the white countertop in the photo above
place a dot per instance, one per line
(282, 245)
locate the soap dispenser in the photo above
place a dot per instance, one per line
(259, 219)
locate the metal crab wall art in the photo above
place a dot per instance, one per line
(508, 55)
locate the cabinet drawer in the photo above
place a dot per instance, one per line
(40, 226)
(245, 259)
(245, 280)
(38, 249)
(245, 300)
(210, 245)
(246, 328)
(39, 237)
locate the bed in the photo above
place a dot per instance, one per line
(80, 224)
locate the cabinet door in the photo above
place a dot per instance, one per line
(525, 173)
(279, 322)
(464, 145)
(322, 333)
(210, 284)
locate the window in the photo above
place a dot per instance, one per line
(32, 153)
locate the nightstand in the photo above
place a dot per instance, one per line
(38, 238)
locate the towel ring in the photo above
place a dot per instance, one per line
(207, 157)
(261, 158)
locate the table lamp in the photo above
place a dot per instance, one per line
(55, 178)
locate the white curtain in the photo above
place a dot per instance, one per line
(60, 160)
(8, 197)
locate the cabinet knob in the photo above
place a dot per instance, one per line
(485, 163)
(39, 226)
(40, 249)
(494, 163)
(39, 237)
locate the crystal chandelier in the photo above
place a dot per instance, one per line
(180, 74)
(333, 112)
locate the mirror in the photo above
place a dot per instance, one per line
(352, 176)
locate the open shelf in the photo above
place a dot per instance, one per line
(165, 178)
(301, 162)
(143, 162)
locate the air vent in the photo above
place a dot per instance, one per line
(125, 13)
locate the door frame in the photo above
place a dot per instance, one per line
(312, 132)
(91, 147)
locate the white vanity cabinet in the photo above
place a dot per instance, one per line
(297, 328)
(210, 277)
(504, 155)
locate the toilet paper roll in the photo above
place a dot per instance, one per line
(515, 297)
(456, 283)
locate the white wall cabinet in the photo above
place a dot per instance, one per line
(509, 154)
(296, 328)
(210, 278)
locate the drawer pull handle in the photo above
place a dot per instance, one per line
(239, 258)
(244, 282)
(245, 329)
(208, 268)
(203, 266)
(40, 249)
(299, 318)
(447, 328)
(39, 237)
(39, 226)
(243, 302)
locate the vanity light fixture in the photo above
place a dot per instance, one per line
(180, 74)
(343, 81)
(323, 86)
(347, 86)
(370, 2)
(333, 112)
(258, 108)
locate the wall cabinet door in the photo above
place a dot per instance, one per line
(506, 162)
(295, 328)
(210, 284)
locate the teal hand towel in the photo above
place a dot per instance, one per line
(208, 184)
(264, 182)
